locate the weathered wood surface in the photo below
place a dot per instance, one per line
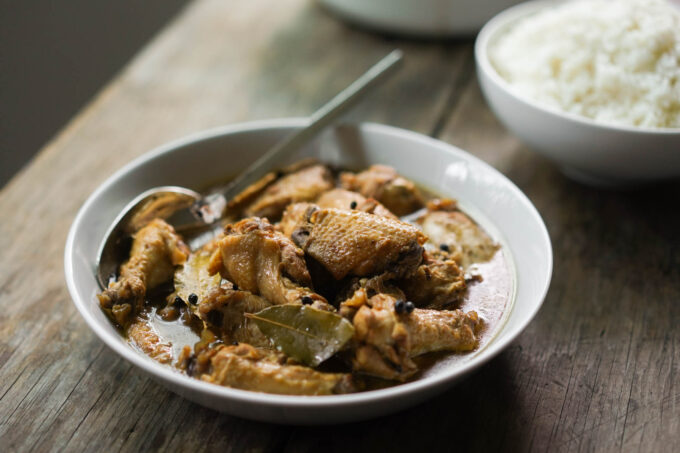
(598, 369)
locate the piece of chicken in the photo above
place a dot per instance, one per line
(383, 183)
(238, 203)
(356, 292)
(294, 216)
(437, 283)
(359, 244)
(156, 250)
(242, 200)
(303, 185)
(223, 310)
(259, 259)
(348, 200)
(451, 230)
(385, 341)
(143, 336)
(244, 367)
(296, 213)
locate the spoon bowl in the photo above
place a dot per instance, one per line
(158, 202)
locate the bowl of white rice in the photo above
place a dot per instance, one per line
(594, 85)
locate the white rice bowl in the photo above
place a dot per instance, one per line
(617, 62)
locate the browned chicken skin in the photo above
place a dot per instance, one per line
(223, 310)
(297, 213)
(303, 185)
(144, 337)
(261, 260)
(244, 367)
(386, 340)
(437, 283)
(383, 183)
(359, 244)
(156, 250)
(250, 194)
(450, 228)
(348, 200)
(294, 216)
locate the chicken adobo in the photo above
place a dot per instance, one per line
(315, 284)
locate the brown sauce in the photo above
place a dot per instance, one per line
(492, 299)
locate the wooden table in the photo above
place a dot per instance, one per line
(598, 369)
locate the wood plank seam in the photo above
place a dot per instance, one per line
(455, 94)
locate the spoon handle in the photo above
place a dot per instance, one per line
(277, 155)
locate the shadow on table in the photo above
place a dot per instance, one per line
(479, 404)
(465, 417)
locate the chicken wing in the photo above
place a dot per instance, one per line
(303, 185)
(383, 183)
(386, 340)
(437, 283)
(244, 367)
(156, 250)
(360, 244)
(450, 229)
(259, 259)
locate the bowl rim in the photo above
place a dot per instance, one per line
(167, 374)
(499, 23)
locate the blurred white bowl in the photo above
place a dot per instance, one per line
(419, 17)
(588, 151)
(500, 207)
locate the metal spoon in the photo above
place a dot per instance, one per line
(162, 202)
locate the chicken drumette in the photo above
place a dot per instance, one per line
(259, 259)
(156, 250)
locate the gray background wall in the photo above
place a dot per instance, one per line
(55, 55)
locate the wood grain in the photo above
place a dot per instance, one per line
(596, 371)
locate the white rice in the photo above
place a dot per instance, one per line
(616, 61)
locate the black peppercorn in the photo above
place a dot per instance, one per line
(399, 306)
(306, 300)
(178, 302)
(409, 307)
(193, 299)
(353, 205)
(235, 287)
(444, 247)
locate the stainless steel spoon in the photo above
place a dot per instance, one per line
(162, 202)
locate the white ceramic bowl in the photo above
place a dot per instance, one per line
(210, 156)
(586, 150)
(419, 17)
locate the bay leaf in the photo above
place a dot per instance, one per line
(193, 277)
(306, 334)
